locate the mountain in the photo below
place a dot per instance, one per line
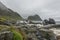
(8, 13)
(35, 18)
(3, 7)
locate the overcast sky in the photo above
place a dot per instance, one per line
(44, 8)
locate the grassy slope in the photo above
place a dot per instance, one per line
(9, 14)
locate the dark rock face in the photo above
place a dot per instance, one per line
(6, 35)
(35, 18)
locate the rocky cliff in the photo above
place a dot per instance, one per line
(8, 13)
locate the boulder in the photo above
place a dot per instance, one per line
(7, 35)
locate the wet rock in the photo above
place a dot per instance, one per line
(6, 35)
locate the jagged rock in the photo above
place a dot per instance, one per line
(6, 35)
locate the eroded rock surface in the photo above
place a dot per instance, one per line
(7, 35)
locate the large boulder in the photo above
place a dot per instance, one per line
(7, 35)
(35, 18)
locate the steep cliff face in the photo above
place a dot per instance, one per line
(8, 13)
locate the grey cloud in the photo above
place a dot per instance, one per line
(44, 8)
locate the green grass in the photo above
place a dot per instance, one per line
(11, 18)
(17, 35)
